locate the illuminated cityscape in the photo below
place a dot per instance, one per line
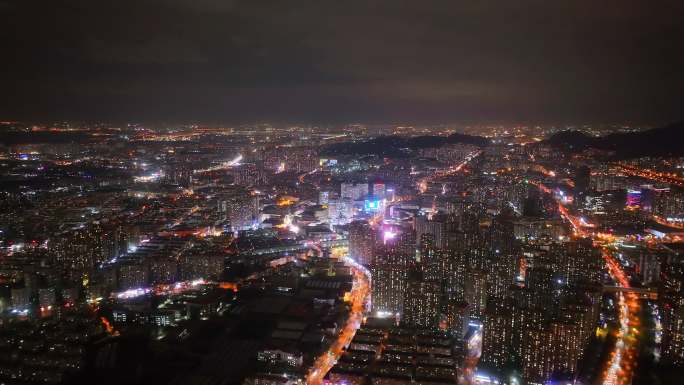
(374, 193)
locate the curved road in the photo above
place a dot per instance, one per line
(359, 297)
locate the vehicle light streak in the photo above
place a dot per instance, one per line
(652, 175)
(422, 184)
(619, 369)
(222, 166)
(359, 296)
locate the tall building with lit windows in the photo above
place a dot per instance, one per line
(580, 262)
(568, 345)
(476, 292)
(498, 332)
(454, 264)
(671, 298)
(503, 255)
(379, 189)
(353, 191)
(241, 208)
(435, 226)
(431, 259)
(389, 270)
(537, 354)
(550, 347)
(247, 174)
(388, 275)
(362, 239)
(421, 304)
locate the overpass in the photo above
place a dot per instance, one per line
(651, 174)
(645, 293)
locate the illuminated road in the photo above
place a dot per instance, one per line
(222, 166)
(574, 221)
(359, 298)
(423, 183)
(184, 217)
(619, 370)
(579, 224)
(301, 178)
(652, 175)
(468, 375)
(664, 222)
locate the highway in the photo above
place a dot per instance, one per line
(657, 176)
(619, 370)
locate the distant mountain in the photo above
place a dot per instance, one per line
(398, 146)
(663, 141)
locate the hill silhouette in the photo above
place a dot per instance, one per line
(398, 146)
(667, 141)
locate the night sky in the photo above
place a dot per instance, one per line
(509, 61)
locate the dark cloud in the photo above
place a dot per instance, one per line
(338, 61)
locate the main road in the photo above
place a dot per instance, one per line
(619, 369)
(654, 175)
(359, 298)
(422, 184)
